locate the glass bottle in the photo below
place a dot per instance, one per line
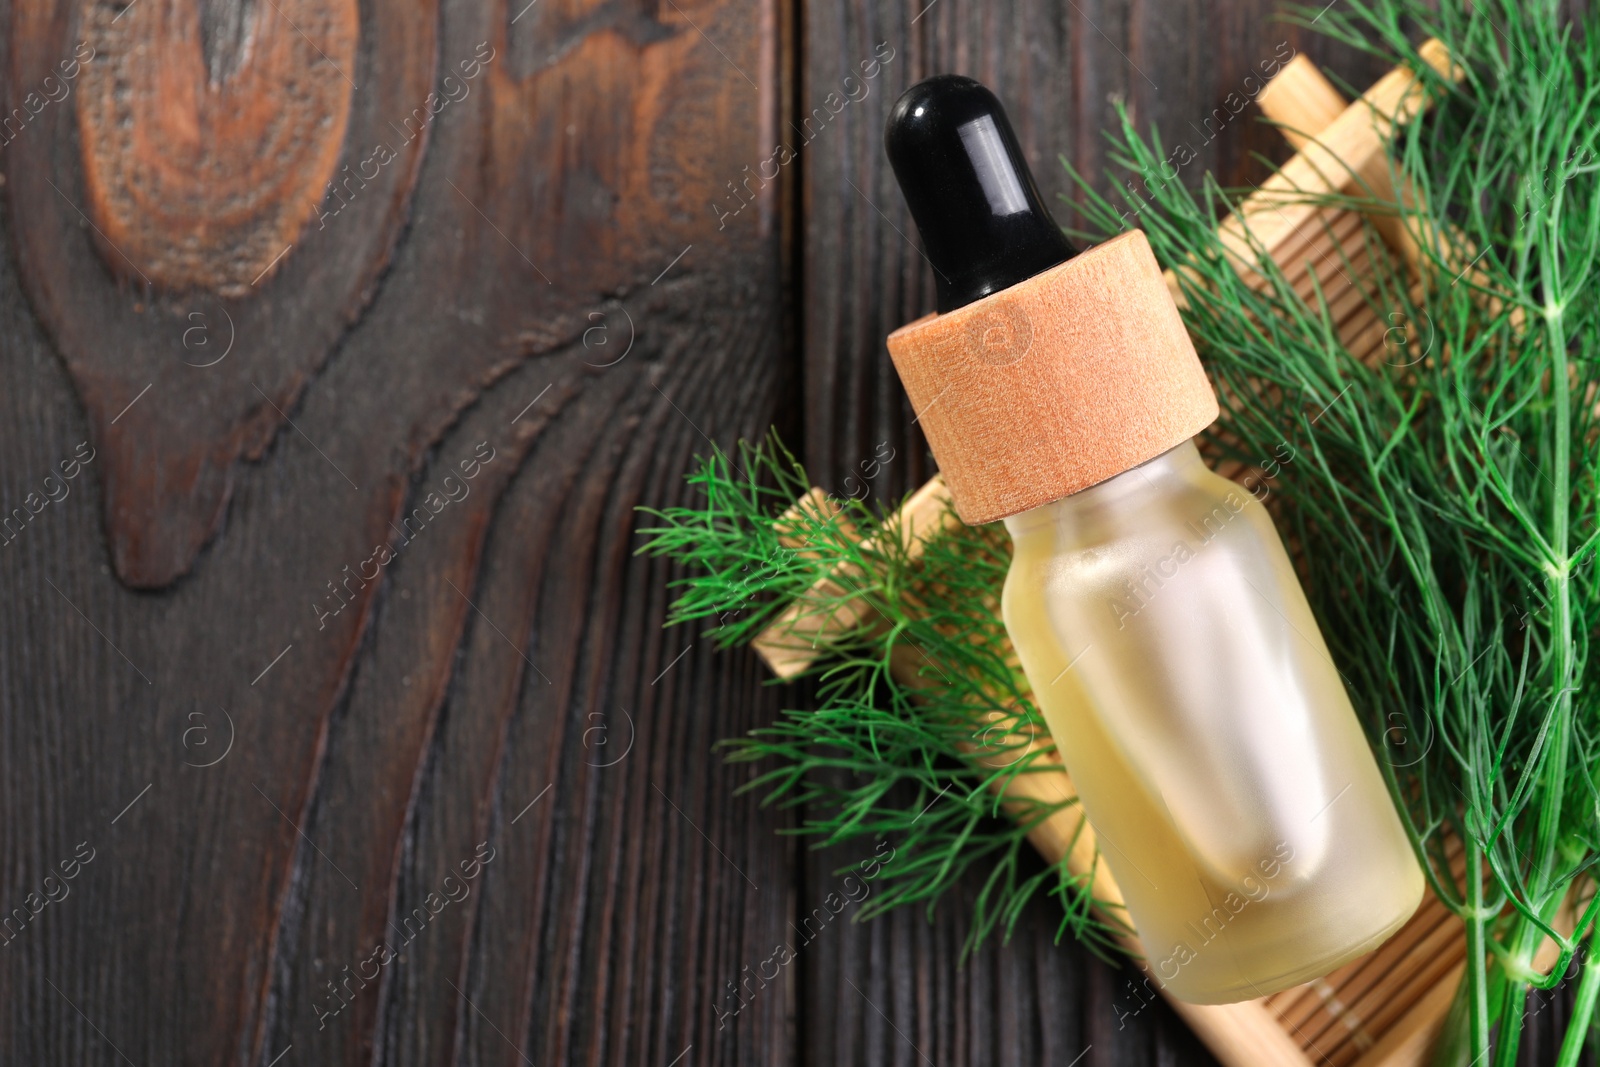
(1216, 753)
(1152, 604)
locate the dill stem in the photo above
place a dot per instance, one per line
(1513, 1009)
(1477, 953)
(1561, 581)
(1582, 1007)
(1543, 861)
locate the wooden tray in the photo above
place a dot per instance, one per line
(1387, 1007)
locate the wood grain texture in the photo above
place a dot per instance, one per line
(203, 162)
(288, 672)
(123, 291)
(390, 710)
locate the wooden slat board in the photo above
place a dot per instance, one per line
(271, 789)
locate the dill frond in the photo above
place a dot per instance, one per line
(880, 758)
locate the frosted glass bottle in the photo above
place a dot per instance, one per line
(1155, 611)
(1215, 751)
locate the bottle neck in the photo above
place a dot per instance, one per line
(1170, 472)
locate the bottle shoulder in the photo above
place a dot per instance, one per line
(1202, 502)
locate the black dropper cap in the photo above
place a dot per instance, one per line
(983, 224)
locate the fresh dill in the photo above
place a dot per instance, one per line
(881, 757)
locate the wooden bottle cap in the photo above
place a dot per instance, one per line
(1055, 384)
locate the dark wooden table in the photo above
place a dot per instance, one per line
(330, 674)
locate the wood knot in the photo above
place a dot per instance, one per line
(201, 170)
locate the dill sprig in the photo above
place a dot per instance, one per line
(882, 757)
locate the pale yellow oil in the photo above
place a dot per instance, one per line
(1211, 738)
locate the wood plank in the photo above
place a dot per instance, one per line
(471, 675)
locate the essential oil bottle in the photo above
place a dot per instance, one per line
(1151, 601)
